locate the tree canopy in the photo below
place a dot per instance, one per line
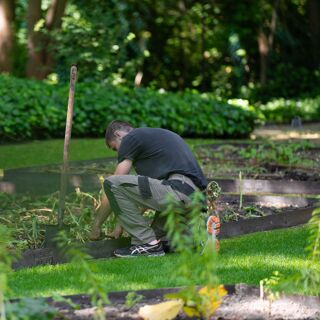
(252, 49)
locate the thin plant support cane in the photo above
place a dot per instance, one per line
(63, 181)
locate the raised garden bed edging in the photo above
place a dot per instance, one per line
(105, 248)
(50, 255)
(24, 182)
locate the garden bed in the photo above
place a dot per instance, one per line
(242, 302)
(105, 248)
(258, 161)
(245, 205)
(261, 160)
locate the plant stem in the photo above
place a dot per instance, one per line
(2, 307)
(241, 190)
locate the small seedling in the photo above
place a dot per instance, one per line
(132, 298)
(268, 287)
(240, 190)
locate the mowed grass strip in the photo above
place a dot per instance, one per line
(246, 259)
(43, 152)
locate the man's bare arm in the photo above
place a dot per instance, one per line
(123, 167)
(104, 210)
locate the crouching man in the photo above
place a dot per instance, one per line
(165, 165)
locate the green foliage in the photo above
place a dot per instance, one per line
(5, 267)
(178, 45)
(268, 285)
(30, 309)
(308, 277)
(197, 261)
(102, 43)
(31, 109)
(132, 298)
(27, 216)
(284, 110)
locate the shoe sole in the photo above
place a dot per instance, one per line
(160, 254)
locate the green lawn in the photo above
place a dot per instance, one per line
(51, 151)
(245, 259)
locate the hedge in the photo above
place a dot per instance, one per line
(32, 109)
(284, 110)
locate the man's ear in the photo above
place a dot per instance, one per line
(117, 134)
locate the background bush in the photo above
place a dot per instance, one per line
(283, 110)
(32, 109)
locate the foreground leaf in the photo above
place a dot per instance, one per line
(162, 311)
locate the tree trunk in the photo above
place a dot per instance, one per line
(203, 48)
(35, 65)
(55, 14)
(264, 52)
(266, 43)
(313, 7)
(6, 34)
(53, 22)
(40, 62)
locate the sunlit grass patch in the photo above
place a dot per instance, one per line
(246, 259)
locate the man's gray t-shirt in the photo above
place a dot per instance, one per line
(158, 153)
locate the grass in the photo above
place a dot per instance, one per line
(51, 151)
(246, 259)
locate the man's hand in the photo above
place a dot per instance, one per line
(116, 233)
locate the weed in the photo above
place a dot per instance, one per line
(27, 216)
(132, 298)
(240, 190)
(268, 287)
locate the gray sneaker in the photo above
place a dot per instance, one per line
(149, 250)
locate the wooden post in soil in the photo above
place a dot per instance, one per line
(64, 172)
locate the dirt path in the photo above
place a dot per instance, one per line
(282, 132)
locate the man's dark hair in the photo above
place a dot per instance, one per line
(114, 126)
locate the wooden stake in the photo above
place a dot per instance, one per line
(63, 181)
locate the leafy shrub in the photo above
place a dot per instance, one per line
(283, 110)
(31, 109)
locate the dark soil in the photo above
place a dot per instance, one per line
(230, 211)
(243, 302)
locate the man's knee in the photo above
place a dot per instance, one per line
(110, 182)
(120, 180)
